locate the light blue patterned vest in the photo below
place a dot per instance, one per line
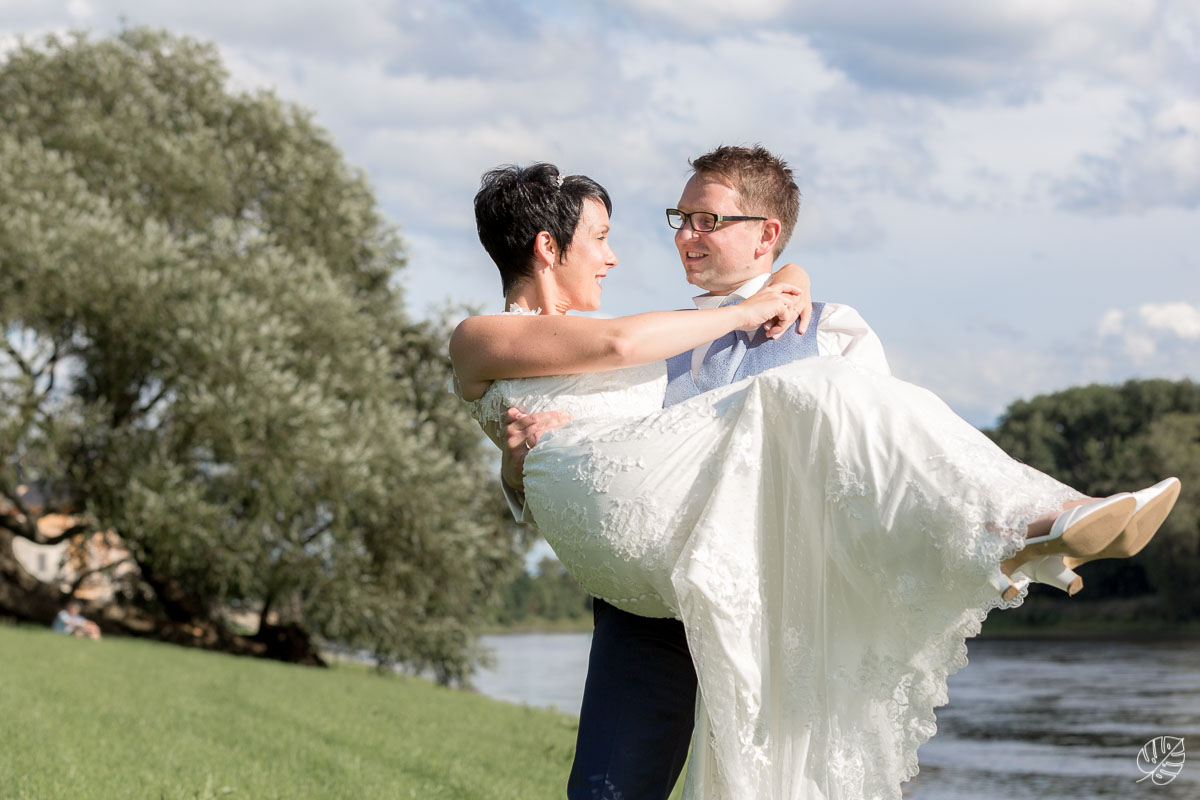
(762, 354)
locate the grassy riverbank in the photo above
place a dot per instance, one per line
(128, 718)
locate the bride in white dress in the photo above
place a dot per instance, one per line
(829, 536)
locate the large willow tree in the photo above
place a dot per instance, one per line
(205, 351)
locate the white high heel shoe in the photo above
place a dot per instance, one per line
(1154, 503)
(1080, 532)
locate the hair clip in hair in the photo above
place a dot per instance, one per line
(558, 180)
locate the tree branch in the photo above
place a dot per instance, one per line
(30, 523)
(139, 411)
(317, 532)
(74, 530)
(19, 524)
(106, 568)
(12, 351)
(48, 368)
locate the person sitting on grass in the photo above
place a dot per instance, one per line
(71, 621)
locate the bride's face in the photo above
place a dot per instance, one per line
(579, 273)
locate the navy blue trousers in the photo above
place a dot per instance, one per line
(639, 702)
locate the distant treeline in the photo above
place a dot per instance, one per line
(547, 597)
(1097, 439)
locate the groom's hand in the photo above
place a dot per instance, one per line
(521, 433)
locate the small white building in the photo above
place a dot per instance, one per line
(101, 558)
(43, 561)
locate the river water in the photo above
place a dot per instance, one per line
(1036, 720)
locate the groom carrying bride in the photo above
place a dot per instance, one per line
(733, 219)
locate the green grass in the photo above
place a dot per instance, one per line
(128, 718)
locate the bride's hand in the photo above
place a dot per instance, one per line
(774, 306)
(796, 276)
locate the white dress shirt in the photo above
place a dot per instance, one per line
(841, 331)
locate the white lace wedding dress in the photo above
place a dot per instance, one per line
(829, 537)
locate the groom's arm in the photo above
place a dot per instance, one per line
(843, 332)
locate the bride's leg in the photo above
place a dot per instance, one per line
(1041, 526)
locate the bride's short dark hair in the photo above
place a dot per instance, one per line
(514, 204)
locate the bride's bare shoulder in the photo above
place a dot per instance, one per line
(477, 343)
(488, 328)
(483, 327)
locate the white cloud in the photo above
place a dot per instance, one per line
(1157, 166)
(979, 380)
(1178, 319)
(1112, 323)
(820, 232)
(1139, 347)
(1153, 334)
(710, 15)
(938, 48)
(1181, 29)
(80, 11)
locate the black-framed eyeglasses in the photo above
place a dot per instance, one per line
(701, 221)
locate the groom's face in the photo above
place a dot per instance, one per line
(723, 259)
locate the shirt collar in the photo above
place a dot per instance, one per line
(744, 291)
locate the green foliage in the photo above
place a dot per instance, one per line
(206, 344)
(1106, 439)
(128, 718)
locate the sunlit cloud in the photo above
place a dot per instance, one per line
(1178, 319)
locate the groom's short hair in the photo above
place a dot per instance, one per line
(514, 204)
(762, 180)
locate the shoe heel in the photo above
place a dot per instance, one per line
(1008, 587)
(1051, 571)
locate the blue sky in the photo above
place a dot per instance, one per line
(1009, 192)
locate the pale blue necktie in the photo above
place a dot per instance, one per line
(723, 357)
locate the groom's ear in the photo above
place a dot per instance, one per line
(543, 249)
(770, 236)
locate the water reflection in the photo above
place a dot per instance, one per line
(537, 669)
(1029, 720)
(1062, 721)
